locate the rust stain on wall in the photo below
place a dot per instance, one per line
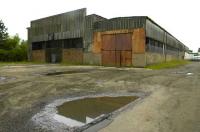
(96, 47)
(38, 55)
(139, 41)
(98, 38)
(123, 41)
(126, 58)
(109, 58)
(119, 46)
(73, 56)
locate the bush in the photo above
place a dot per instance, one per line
(11, 48)
(14, 50)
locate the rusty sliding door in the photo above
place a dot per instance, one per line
(117, 49)
(108, 50)
(124, 48)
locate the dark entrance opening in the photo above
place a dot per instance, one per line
(54, 51)
(72, 50)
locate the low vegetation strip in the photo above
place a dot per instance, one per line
(170, 64)
(19, 63)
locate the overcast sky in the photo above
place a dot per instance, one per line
(179, 17)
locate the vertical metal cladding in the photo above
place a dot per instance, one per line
(52, 32)
(89, 30)
(29, 44)
(62, 26)
(120, 23)
(154, 31)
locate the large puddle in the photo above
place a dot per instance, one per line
(6, 79)
(83, 111)
(2, 78)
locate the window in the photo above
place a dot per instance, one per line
(153, 45)
(37, 45)
(73, 43)
(54, 44)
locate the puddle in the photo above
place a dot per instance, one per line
(189, 73)
(6, 79)
(83, 111)
(2, 78)
(183, 73)
(66, 72)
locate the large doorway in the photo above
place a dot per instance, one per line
(54, 51)
(117, 49)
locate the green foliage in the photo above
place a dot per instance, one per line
(20, 63)
(11, 42)
(3, 33)
(170, 64)
(13, 49)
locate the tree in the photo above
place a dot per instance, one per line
(14, 49)
(11, 48)
(11, 42)
(3, 31)
(23, 48)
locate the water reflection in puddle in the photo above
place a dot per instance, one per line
(189, 73)
(83, 111)
(2, 78)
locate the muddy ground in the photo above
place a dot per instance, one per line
(173, 103)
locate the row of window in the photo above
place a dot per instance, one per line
(66, 44)
(37, 45)
(73, 43)
(168, 47)
(157, 46)
(154, 45)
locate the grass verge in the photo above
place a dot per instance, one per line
(170, 64)
(19, 63)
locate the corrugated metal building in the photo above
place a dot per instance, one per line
(75, 37)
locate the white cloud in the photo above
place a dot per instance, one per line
(179, 17)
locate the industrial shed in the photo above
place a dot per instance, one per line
(77, 38)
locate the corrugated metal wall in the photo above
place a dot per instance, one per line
(120, 23)
(29, 44)
(153, 31)
(156, 32)
(62, 26)
(89, 30)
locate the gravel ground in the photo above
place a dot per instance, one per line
(172, 105)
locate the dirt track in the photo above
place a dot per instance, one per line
(172, 106)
